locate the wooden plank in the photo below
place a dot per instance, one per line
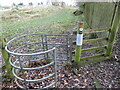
(114, 30)
(95, 31)
(99, 15)
(94, 48)
(92, 31)
(91, 49)
(91, 57)
(94, 40)
(91, 40)
(82, 63)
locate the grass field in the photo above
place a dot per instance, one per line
(55, 20)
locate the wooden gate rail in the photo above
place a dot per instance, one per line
(87, 31)
(110, 39)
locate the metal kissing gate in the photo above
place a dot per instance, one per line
(34, 59)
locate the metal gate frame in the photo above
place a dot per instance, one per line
(46, 51)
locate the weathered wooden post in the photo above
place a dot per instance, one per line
(113, 31)
(79, 40)
(5, 56)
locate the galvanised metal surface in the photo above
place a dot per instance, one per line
(36, 47)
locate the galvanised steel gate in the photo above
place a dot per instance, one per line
(27, 51)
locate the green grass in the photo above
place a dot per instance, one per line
(53, 20)
(57, 22)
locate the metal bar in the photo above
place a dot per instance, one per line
(24, 36)
(22, 72)
(25, 40)
(43, 44)
(35, 80)
(30, 68)
(44, 87)
(51, 43)
(49, 85)
(35, 34)
(46, 46)
(40, 43)
(55, 67)
(33, 54)
(18, 84)
(39, 67)
(67, 47)
(70, 40)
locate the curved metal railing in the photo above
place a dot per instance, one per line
(23, 52)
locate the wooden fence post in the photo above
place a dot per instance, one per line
(113, 31)
(79, 40)
(5, 56)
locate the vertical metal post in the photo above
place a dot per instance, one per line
(22, 72)
(79, 40)
(55, 66)
(70, 41)
(46, 46)
(12, 83)
(67, 47)
(42, 36)
(25, 40)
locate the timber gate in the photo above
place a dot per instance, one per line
(102, 23)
